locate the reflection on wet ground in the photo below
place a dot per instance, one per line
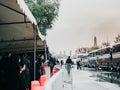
(104, 76)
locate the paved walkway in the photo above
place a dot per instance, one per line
(83, 80)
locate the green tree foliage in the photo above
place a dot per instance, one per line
(117, 38)
(45, 12)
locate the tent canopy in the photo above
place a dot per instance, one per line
(17, 27)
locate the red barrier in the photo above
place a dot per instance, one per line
(52, 72)
(34, 84)
(42, 80)
(39, 88)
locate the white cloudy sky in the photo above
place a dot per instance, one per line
(80, 20)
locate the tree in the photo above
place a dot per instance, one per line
(45, 12)
(106, 44)
(117, 39)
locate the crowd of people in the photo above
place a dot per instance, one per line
(14, 72)
(17, 70)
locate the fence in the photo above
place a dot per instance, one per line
(56, 82)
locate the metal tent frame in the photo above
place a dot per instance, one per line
(18, 29)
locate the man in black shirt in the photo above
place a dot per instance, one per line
(68, 64)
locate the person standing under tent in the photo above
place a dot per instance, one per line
(38, 67)
(9, 72)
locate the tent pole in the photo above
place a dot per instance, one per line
(34, 52)
(45, 49)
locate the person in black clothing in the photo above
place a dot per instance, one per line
(52, 63)
(69, 61)
(22, 72)
(9, 73)
(78, 65)
(68, 64)
(61, 62)
(27, 72)
(38, 67)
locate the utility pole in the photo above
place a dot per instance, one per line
(70, 53)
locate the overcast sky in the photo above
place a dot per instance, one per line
(80, 20)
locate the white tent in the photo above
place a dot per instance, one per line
(18, 28)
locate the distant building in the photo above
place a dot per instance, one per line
(82, 50)
(95, 46)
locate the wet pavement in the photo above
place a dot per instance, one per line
(89, 80)
(105, 76)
